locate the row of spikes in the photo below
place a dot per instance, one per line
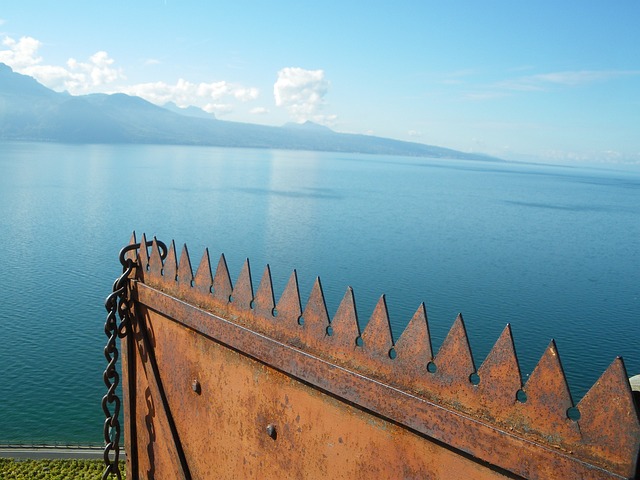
(543, 408)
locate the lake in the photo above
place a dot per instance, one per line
(552, 250)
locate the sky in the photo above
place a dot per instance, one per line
(549, 81)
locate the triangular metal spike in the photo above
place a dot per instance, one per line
(549, 397)
(203, 279)
(288, 307)
(609, 417)
(315, 317)
(454, 360)
(243, 289)
(132, 253)
(414, 354)
(155, 260)
(344, 326)
(264, 301)
(222, 281)
(377, 337)
(185, 273)
(171, 264)
(414, 345)
(500, 377)
(143, 254)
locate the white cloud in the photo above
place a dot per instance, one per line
(567, 78)
(328, 120)
(218, 108)
(20, 54)
(583, 76)
(76, 77)
(99, 74)
(414, 133)
(259, 111)
(544, 82)
(184, 93)
(245, 94)
(97, 71)
(151, 61)
(302, 93)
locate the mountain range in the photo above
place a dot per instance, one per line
(29, 111)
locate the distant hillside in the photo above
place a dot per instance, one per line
(188, 111)
(30, 111)
(307, 126)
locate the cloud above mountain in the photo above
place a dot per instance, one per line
(183, 93)
(302, 93)
(76, 77)
(99, 74)
(20, 54)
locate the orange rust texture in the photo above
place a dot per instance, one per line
(478, 410)
(223, 426)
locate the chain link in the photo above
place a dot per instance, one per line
(118, 308)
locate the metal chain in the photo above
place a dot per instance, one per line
(117, 307)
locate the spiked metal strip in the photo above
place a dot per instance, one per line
(414, 352)
(222, 288)
(185, 272)
(500, 380)
(143, 253)
(548, 400)
(170, 270)
(264, 301)
(132, 254)
(314, 322)
(605, 410)
(155, 261)
(288, 308)
(606, 435)
(202, 281)
(242, 292)
(344, 330)
(453, 368)
(264, 305)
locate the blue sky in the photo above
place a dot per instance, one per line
(553, 81)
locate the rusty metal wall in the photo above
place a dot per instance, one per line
(222, 383)
(239, 418)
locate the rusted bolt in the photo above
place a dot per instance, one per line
(271, 431)
(195, 385)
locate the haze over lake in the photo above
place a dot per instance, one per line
(551, 250)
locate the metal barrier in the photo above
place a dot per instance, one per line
(222, 382)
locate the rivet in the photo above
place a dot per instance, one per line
(195, 385)
(271, 431)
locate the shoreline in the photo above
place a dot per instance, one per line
(40, 452)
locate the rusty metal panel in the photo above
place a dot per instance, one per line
(227, 384)
(237, 417)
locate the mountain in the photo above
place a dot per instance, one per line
(308, 126)
(190, 111)
(31, 112)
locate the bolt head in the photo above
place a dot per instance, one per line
(195, 385)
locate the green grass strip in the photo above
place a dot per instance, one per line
(11, 469)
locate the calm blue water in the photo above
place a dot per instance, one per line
(552, 250)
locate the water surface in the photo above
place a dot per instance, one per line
(551, 250)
